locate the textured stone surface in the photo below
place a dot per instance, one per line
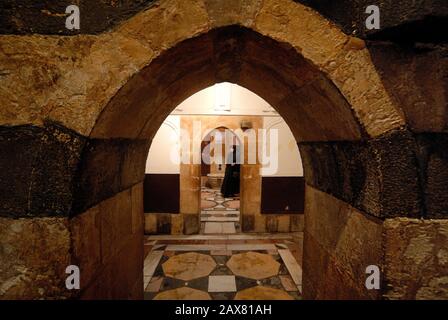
(337, 56)
(48, 17)
(116, 231)
(177, 224)
(108, 167)
(233, 12)
(135, 46)
(191, 223)
(116, 223)
(401, 20)
(417, 78)
(86, 243)
(189, 266)
(150, 223)
(253, 265)
(38, 166)
(416, 259)
(137, 209)
(190, 186)
(380, 176)
(248, 223)
(33, 256)
(422, 20)
(434, 160)
(163, 223)
(297, 223)
(340, 242)
(122, 276)
(284, 223)
(250, 189)
(260, 223)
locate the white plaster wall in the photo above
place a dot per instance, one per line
(164, 151)
(289, 160)
(242, 102)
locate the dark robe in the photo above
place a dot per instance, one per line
(231, 183)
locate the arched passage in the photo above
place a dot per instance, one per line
(208, 154)
(352, 138)
(318, 114)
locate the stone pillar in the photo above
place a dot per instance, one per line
(250, 195)
(190, 197)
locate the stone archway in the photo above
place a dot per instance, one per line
(98, 103)
(207, 155)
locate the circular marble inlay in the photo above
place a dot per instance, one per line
(232, 204)
(189, 266)
(183, 293)
(206, 204)
(253, 265)
(262, 293)
(205, 195)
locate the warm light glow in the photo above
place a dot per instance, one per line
(222, 96)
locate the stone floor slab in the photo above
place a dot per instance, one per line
(262, 293)
(221, 284)
(221, 252)
(250, 247)
(154, 284)
(288, 283)
(183, 293)
(189, 266)
(253, 265)
(219, 228)
(291, 264)
(196, 247)
(151, 262)
(220, 219)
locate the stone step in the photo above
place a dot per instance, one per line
(219, 228)
(220, 219)
(220, 214)
(240, 236)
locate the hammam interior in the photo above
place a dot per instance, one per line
(224, 150)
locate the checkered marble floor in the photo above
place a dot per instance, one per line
(231, 267)
(219, 215)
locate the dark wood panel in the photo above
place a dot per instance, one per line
(282, 195)
(161, 193)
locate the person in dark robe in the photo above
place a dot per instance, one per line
(231, 183)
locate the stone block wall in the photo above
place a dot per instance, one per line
(107, 245)
(171, 223)
(187, 220)
(34, 254)
(416, 259)
(339, 243)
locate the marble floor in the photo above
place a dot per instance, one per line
(223, 267)
(219, 215)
